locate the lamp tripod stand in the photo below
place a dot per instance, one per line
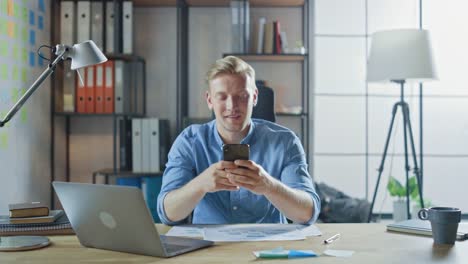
(407, 132)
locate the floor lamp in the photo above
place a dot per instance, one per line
(400, 56)
(81, 55)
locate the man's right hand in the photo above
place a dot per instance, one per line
(214, 178)
(179, 203)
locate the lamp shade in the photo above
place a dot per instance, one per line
(85, 54)
(400, 55)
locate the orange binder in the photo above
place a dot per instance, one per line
(99, 88)
(109, 87)
(89, 87)
(80, 92)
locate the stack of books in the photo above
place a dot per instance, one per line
(34, 218)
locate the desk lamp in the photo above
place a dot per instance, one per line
(81, 55)
(400, 56)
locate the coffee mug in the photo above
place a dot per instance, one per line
(444, 223)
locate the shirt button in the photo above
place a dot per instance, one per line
(234, 208)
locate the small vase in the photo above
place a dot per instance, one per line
(399, 210)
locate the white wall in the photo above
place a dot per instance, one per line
(352, 117)
(24, 142)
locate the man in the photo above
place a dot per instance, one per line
(270, 187)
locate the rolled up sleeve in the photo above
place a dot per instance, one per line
(179, 171)
(296, 175)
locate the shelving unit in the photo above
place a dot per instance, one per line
(61, 122)
(303, 59)
(138, 111)
(183, 27)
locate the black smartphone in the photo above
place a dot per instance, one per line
(232, 152)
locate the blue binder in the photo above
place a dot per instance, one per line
(151, 189)
(129, 182)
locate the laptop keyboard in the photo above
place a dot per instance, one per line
(174, 248)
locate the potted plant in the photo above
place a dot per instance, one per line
(396, 189)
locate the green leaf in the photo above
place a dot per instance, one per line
(395, 188)
(413, 187)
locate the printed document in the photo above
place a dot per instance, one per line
(246, 232)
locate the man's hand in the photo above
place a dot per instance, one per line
(214, 178)
(294, 204)
(251, 176)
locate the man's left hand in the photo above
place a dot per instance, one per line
(251, 176)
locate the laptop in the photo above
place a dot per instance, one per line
(421, 227)
(117, 218)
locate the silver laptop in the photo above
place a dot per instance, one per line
(117, 218)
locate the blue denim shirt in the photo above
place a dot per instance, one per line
(277, 149)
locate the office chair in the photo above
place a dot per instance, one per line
(265, 108)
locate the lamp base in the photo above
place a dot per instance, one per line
(21, 243)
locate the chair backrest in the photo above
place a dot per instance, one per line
(265, 108)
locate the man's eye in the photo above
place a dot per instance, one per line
(221, 97)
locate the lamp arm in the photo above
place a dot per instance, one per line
(47, 72)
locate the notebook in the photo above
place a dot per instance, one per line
(421, 227)
(52, 217)
(117, 218)
(60, 227)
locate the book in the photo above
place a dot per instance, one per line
(61, 226)
(421, 227)
(268, 38)
(53, 215)
(28, 209)
(260, 29)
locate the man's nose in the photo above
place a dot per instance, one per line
(231, 103)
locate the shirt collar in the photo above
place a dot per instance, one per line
(245, 140)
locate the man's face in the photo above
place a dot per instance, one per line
(232, 100)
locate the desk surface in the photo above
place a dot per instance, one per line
(371, 243)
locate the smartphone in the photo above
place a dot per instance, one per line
(232, 152)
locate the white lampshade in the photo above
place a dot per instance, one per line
(400, 55)
(85, 54)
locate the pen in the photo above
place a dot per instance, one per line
(331, 239)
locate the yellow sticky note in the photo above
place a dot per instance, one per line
(3, 49)
(14, 94)
(24, 114)
(3, 72)
(3, 140)
(24, 77)
(15, 75)
(24, 34)
(25, 15)
(10, 7)
(15, 52)
(3, 7)
(3, 26)
(11, 29)
(24, 55)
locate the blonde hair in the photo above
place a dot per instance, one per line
(231, 65)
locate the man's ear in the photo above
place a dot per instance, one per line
(208, 100)
(255, 96)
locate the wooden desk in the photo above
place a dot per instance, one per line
(371, 243)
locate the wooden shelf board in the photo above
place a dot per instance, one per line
(125, 57)
(121, 173)
(270, 57)
(253, 3)
(96, 115)
(276, 3)
(291, 114)
(208, 2)
(154, 3)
